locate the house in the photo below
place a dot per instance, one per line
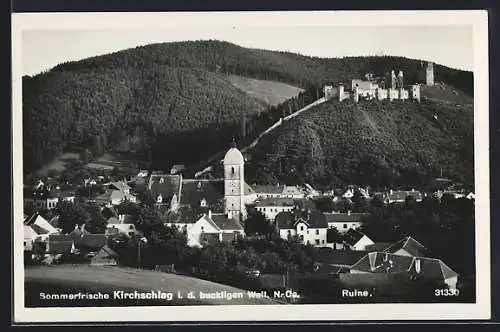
(408, 267)
(165, 188)
(105, 256)
(29, 237)
(355, 240)
(270, 207)
(278, 191)
(348, 194)
(345, 221)
(121, 186)
(115, 226)
(407, 246)
(47, 197)
(40, 226)
(115, 197)
(399, 196)
(201, 193)
(309, 227)
(209, 227)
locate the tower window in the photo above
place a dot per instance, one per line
(232, 170)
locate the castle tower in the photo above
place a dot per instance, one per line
(400, 79)
(393, 80)
(429, 74)
(341, 92)
(234, 182)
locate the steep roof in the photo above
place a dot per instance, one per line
(377, 262)
(105, 253)
(410, 245)
(120, 185)
(273, 201)
(108, 212)
(224, 223)
(284, 220)
(345, 217)
(29, 233)
(248, 190)
(39, 224)
(165, 185)
(352, 236)
(378, 246)
(193, 191)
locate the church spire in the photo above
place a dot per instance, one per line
(233, 143)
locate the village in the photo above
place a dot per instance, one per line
(218, 210)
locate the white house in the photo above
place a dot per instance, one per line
(310, 228)
(345, 221)
(41, 226)
(270, 207)
(116, 226)
(355, 240)
(221, 227)
(278, 191)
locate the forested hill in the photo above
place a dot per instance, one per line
(172, 95)
(382, 144)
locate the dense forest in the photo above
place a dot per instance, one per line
(151, 100)
(369, 143)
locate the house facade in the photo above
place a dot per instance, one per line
(355, 240)
(343, 222)
(310, 228)
(270, 207)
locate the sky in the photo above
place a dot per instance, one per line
(449, 45)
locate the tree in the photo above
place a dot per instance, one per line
(256, 223)
(325, 204)
(70, 215)
(146, 198)
(359, 203)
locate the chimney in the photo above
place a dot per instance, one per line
(210, 214)
(417, 265)
(348, 212)
(229, 214)
(390, 192)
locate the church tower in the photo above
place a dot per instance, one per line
(234, 183)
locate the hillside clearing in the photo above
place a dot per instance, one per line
(273, 93)
(84, 278)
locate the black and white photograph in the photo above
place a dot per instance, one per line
(251, 166)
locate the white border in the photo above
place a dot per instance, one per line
(479, 310)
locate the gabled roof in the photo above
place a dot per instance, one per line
(29, 233)
(352, 236)
(248, 190)
(288, 220)
(41, 225)
(105, 253)
(92, 241)
(377, 262)
(224, 223)
(432, 268)
(292, 190)
(273, 201)
(345, 217)
(113, 220)
(378, 246)
(410, 245)
(120, 185)
(108, 212)
(165, 185)
(193, 191)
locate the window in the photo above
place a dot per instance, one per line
(162, 180)
(202, 228)
(308, 242)
(302, 237)
(317, 241)
(232, 170)
(317, 232)
(131, 227)
(322, 241)
(307, 231)
(301, 228)
(345, 225)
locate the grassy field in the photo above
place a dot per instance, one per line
(107, 279)
(273, 93)
(58, 164)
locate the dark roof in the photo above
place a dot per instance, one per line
(287, 220)
(435, 269)
(193, 191)
(344, 217)
(108, 212)
(410, 245)
(379, 262)
(77, 232)
(39, 230)
(106, 252)
(271, 201)
(91, 241)
(167, 188)
(268, 189)
(305, 204)
(224, 223)
(378, 246)
(120, 185)
(352, 236)
(284, 220)
(60, 238)
(340, 257)
(60, 247)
